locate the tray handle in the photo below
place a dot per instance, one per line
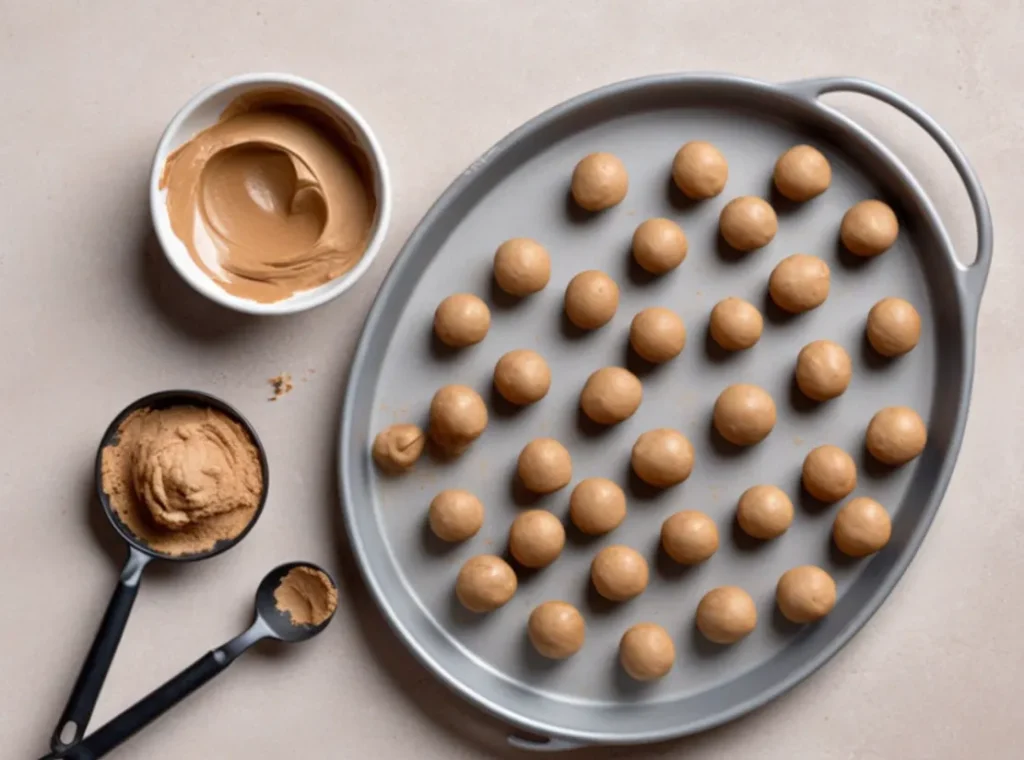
(543, 744)
(975, 273)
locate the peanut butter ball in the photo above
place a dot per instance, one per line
(397, 447)
(461, 320)
(799, 283)
(619, 573)
(896, 435)
(748, 223)
(521, 266)
(591, 299)
(611, 394)
(894, 327)
(544, 465)
(726, 614)
(735, 324)
(457, 418)
(805, 594)
(556, 630)
(455, 515)
(744, 414)
(599, 181)
(829, 473)
(597, 506)
(689, 537)
(802, 173)
(869, 228)
(823, 370)
(700, 170)
(485, 583)
(764, 512)
(646, 652)
(659, 245)
(662, 457)
(657, 334)
(861, 527)
(536, 538)
(522, 376)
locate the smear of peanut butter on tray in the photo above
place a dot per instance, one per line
(273, 199)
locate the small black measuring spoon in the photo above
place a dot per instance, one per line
(71, 727)
(270, 623)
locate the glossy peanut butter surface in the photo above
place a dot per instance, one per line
(271, 199)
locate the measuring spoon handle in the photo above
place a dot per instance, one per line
(159, 701)
(149, 708)
(82, 702)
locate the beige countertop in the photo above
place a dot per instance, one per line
(91, 318)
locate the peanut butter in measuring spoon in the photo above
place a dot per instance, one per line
(271, 200)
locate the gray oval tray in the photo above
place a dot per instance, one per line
(519, 188)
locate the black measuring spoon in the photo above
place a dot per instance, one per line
(71, 727)
(270, 623)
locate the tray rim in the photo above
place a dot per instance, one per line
(968, 280)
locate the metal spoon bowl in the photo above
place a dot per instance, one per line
(166, 400)
(73, 721)
(278, 621)
(270, 623)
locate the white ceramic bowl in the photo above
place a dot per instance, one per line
(205, 109)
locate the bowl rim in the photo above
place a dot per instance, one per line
(206, 285)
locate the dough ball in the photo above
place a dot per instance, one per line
(726, 614)
(689, 537)
(461, 320)
(597, 506)
(896, 435)
(611, 394)
(823, 370)
(556, 630)
(396, 448)
(619, 573)
(455, 515)
(659, 245)
(799, 283)
(802, 173)
(662, 457)
(536, 538)
(522, 376)
(700, 170)
(599, 181)
(657, 334)
(485, 583)
(591, 299)
(829, 473)
(862, 527)
(646, 652)
(544, 465)
(764, 512)
(744, 414)
(805, 594)
(748, 223)
(735, 324)
(457, 418)
(521, 266)
(894, 327)
(869, 228)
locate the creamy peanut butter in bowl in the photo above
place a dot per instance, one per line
(269, 194)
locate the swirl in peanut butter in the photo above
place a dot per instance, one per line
(272, 199)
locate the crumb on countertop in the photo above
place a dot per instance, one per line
(281, 384)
